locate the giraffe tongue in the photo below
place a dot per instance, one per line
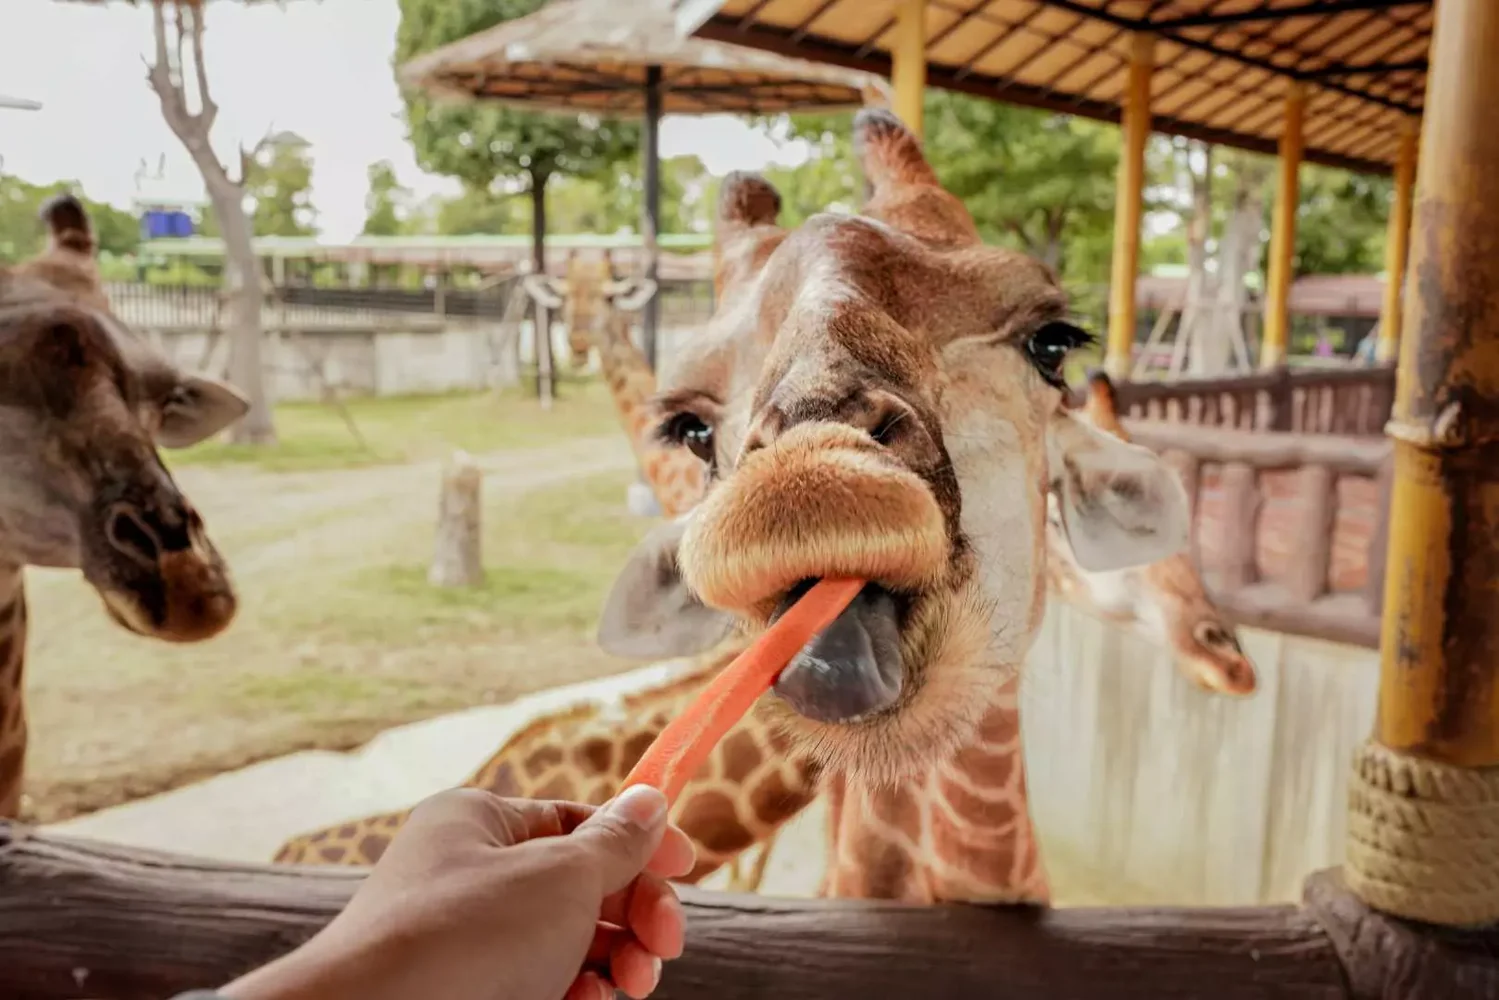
(852, 668)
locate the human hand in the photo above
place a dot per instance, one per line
(484, 898)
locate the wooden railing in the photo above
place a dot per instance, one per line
(1288, 528)
(1350, 401)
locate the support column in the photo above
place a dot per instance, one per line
(908, 58)
(1396, 244)
(1425, 792)
(1283, 234)
(1129, 197)
(650, 315)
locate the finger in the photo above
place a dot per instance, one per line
(623, 836)
(675, 857)
(602, 945)
(634, 970)
(589, 986)
(655, 917)
(473, 815)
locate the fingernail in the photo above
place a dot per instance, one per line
(641, 805)
(655, 971)
(605, 988)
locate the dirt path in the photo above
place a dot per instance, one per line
(115, 717)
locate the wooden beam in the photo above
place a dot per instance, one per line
(1129, 197)
(1397, 245)
(908, 66)
(1439, 682)
(87, 919)
(1283, 233)
(1267, 12)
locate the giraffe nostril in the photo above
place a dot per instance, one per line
(129, 534)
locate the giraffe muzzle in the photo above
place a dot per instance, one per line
(850, 670)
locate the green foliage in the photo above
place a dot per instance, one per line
(22, 234)
(387, 202)
(482, 144)
(1341, 220)
(280, 181)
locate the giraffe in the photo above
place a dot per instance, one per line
(83, 404)
(1167, 604)
(588, 298)
(880, 396)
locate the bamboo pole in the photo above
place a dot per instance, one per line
(908, 58)
(1129, 199)
(1283, 233)
(1397, 244)
(1424, 796)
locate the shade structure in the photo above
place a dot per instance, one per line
(19, 103)
(626, 58)
(1223, 68)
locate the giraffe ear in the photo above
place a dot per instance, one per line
(650, 612)
(1121, 506)
(629, 296)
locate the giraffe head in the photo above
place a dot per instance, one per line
(83, 403)
(1165, 601)
(585, 295)
(881, 397)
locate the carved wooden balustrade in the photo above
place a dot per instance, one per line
(1351, 401)
(1288, 528)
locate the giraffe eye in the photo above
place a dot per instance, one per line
(690, 431)
(1049, 346)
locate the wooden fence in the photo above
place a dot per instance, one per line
(1348, 401)
(80, 919)
(1288, 528)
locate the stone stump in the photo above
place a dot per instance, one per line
(457, 557)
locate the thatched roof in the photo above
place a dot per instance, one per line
(1222, 66)
(592, 55)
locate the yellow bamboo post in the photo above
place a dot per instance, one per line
(1396, 245)
(1424, 802)
(1283, 233)
(1129, 196)
(908, 62)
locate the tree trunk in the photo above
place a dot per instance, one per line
(1198, 228)
(457, 559)
(1236, 258)
(546, 382)
(242, 297)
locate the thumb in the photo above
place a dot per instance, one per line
(621, 837)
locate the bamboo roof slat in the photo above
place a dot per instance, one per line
(1223, 67)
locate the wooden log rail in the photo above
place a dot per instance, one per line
(1288, 529)
(1353, 401)
(81, 919)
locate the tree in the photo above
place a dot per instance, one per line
(178, 66)
(1341, 220)
(22, 234)
(387, 207)
(280, 182)
(482, 143)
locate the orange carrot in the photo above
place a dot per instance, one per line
(677, 754)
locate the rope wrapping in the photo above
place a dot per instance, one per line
(1423, 838)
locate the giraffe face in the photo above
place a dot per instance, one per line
(83, 404)
(881, 397)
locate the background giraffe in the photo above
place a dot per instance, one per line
(83, 404)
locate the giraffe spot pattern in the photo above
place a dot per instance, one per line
(594, 756)
(710, 818)
(897, 807)
(985, 855)
(333, 854)
(372, 847)
(741, 756)
(599, 793)
(991, 815)
(985, 768)
(347, 831)
(634, 748)
(8, 612)
(11, 760)
(7, 649)
(773, 802)
(559, 787)
(884, 871)
(542, 760)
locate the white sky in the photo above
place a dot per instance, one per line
(319, 69)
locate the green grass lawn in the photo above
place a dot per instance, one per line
(411, 428)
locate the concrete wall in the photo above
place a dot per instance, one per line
(1149, 790)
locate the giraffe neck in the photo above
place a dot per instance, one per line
(12, 703)
(959, 832)
(673, 474)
